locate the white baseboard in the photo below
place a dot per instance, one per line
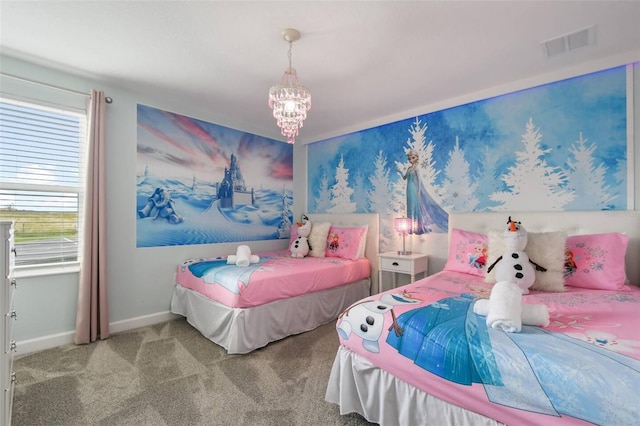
(41, 343)
(143, 321)
(54, 340)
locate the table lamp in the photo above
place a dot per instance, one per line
(403, 225)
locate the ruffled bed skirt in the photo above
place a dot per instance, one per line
(242, 330)
(358, 386)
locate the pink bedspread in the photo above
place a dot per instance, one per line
(276, 276)
(583, 368)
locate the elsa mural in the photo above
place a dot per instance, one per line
(424, 211)
(561, 146)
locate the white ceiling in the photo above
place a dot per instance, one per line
(363, 61)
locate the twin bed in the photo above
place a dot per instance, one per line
(245, 308)
(418, 354)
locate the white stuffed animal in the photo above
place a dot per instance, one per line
(514, 265)
(300, 246)
(514, 275)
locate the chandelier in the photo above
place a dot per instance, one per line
(289, 100)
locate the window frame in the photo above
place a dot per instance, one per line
(61, 267)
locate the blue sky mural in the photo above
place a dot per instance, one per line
(201, 183)
(561, 146)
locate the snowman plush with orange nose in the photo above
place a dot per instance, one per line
(300, 246)
(514, 275)
(514, 266)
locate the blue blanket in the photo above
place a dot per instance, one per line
(448, 339)
(228, 276)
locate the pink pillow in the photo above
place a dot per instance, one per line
(596, 261)
(467, 252)
(344, 241)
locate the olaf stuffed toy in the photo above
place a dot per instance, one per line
(300, 246)
(514, 275)
(514, 265)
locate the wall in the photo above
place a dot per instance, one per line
(140, 280)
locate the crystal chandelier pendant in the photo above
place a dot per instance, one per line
(289, 100)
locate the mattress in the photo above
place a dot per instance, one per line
(583, 368)
(276, 276)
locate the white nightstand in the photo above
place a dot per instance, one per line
(411, 264)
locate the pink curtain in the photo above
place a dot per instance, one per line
(92, 314)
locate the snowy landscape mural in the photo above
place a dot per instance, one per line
(201, 183)
(561, 146)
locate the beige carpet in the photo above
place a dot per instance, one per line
(168, 374)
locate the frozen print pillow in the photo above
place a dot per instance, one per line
(467, 252)
(596, 261)
(345, 241)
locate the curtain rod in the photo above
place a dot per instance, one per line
(51, 86)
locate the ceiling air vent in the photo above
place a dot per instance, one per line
(571, 41)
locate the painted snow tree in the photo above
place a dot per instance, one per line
(457, 187)
(620, 173)
(360, 193)
(284, 228)
(428, 171)
(423, 202)
(586, 180)
(532, 184)
(488, 175)
(397, 207)
(341, 192)
(379, 195)
(323, 200)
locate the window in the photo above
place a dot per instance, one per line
(41, 180)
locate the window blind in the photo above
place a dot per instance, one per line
(41, 179)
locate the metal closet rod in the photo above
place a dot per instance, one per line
(51, 86)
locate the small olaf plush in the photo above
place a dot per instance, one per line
(300, 246)
(514, 266)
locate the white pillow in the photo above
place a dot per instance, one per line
(318, 238)
(363, 242)
(544, 248)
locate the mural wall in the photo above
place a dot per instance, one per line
(201, 183)
(561, 146)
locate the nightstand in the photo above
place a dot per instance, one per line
(410, 264)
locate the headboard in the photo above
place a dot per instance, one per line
(573, 222)
(358, 219)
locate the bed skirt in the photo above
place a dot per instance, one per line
(358, 386)
(242, 330)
